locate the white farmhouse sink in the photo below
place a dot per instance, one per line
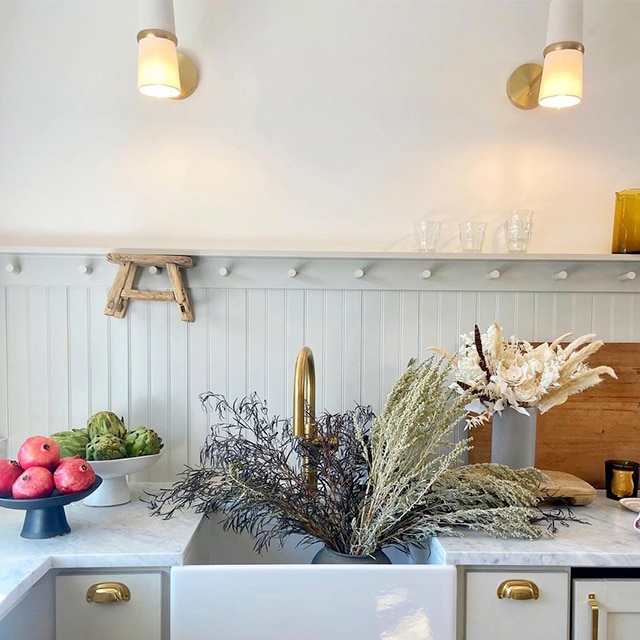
(314, 602)
(280, 596)
(226, 547)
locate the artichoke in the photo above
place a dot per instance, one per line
(142, 442)
(106, 447)
(105, 423)
(71, 443)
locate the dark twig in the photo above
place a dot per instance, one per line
(478, 342)
(250, 472)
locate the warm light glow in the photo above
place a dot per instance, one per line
(158, 74)
(561, 84)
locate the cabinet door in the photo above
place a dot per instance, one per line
(526, 605)
(613, 609)
(139, 617)
(33, 617)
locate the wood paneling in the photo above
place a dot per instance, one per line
(599, 423)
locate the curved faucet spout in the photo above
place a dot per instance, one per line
(304, 412)
(304, 395)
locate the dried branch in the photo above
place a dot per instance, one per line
(391, 480)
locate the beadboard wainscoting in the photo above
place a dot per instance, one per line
(364, 317)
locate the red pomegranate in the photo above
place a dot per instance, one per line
(73, 475)
(9, 472)
(39, 451)
(34, 482)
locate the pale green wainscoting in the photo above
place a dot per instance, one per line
(363, 315)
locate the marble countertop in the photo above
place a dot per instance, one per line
(121, 536)
(606, 538)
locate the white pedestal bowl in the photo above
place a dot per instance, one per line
(114, 489)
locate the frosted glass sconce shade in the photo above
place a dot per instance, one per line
(561, 84)
(158, 74)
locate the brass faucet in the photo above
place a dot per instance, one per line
(304, 410)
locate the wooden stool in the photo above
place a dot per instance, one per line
(122, 289)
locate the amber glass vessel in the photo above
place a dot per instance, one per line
(626, 223)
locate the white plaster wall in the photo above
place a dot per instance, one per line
(318, 124)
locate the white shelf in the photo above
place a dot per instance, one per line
(8, 251)
(340, 271)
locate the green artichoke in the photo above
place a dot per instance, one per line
(106, 447)
(142, 442)
(71, 443)
(105, 423)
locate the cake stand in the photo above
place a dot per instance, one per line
(115, 489)
(45, 517)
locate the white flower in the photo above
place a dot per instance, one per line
(527, 394)
(505, 373)
(513, 373)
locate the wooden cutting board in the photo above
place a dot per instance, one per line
(567, 487)
(600, 423)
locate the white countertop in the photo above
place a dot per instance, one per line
(608, 540)
(122, 536)
(128, 536)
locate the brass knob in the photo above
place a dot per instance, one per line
(518, 590)
(106, 592)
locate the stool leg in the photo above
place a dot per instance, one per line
(114, 299)
(128, 285)
(179, 292)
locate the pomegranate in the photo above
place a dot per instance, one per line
(34, 482)
(9, 471)
(39, 451)
(73, 475)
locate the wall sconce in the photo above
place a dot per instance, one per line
(559, 83)
(162, 71)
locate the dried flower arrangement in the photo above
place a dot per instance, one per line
(502, 373)
(392, 480)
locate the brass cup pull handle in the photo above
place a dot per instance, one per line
(595, 610)
(106, 592)
(518, 590)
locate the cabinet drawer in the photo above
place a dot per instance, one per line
(534, 605)
(140, 617)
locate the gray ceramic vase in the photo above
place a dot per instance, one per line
(327, 555)
(513, 438)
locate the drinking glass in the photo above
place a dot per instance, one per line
(472, 236)
(517, 230)
(427, 234)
